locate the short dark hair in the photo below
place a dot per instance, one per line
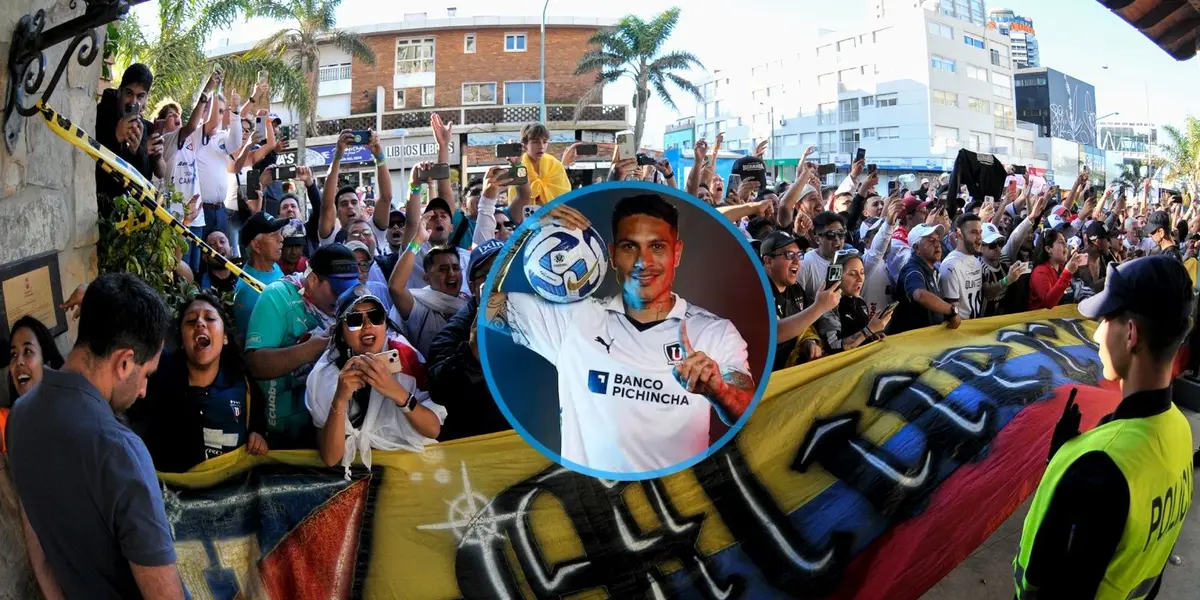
(651, 205)
(437, 251)
(823, 220)
(345, 189)
(51, 357)
(137, 73)
(534, 131)
(961, 222)
(1163, 336)
(162, 111)
(760, 227)
(120, 311)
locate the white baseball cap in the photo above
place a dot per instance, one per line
(1057, 217)
(991, 234)
(922, 231)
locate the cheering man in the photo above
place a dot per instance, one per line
(638, 372)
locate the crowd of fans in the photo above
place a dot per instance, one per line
(365, 338)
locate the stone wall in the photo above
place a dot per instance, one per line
(47, 204)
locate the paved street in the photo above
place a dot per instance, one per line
(987, 574)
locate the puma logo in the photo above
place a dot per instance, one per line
(574, 286)
(607, 345)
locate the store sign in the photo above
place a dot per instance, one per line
(421, 149)
(507, 137)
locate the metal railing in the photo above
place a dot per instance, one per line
(514, 114)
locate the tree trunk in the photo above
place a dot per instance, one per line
(642, 95)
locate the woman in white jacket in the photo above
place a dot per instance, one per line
(367, 390)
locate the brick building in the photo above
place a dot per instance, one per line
(481, 73)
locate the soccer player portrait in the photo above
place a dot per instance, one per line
(639, 373)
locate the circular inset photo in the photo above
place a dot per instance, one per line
(627, 330)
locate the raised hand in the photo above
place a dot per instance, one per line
(1016, 271)
(375, 145)
(761, 150)
(345, 139)
(698, 373)
(441, 130)
(567, 217)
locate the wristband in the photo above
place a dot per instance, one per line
(1004, 281)
(416, 189)
(380, 158)
(203, 97)
(413, 247)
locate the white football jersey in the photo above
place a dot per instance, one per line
(622, 409)
(962, 279)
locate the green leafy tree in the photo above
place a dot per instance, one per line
(310, 24)
(1181, 155)
(634, 49)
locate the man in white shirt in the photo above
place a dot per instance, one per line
(830, 231)
(436, 219)
(962, 272)
(214, 157)
(340, 209)
(639, 374)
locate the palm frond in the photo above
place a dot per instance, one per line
(273, 10)
(596, 60)
(354, 45)
(678, 60)
(659, 30)
(214, 15)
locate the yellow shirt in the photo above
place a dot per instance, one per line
(547, 182)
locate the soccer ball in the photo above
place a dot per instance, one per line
(565, 265)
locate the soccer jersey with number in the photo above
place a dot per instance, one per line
(962, 281)
(622, 409)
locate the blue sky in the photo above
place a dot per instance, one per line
(1077, 37)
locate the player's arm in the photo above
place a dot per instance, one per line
(728, 387)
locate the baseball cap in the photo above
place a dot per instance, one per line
(336, 263)
(751, 167)
(991, 234)
(869, 225)
(922, 231)
(397, 216)
(1096, 230)
(1157, 220)
(350, 299)
(294, 234)
(481, 254)
(275, 119)
(912, 204)
(1150, 286)
(1058, 217)
(357, 245)
(258, 224)
(774, 242)
(437, 203)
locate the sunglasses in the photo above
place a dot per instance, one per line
(356, 320)
(506, 225)
(992, 246)
(834, 235)
(364, 265)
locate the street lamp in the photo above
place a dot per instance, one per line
(544, 7)
(1111, 114)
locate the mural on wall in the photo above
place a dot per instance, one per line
(1072, 109)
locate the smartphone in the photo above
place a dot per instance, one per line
(644, 160)
(1018, 169)
(1055, 194)
(871, 169)
(888, 310)
(892, 186)
(587, 150)
(260, 128)
(361, 137)
(833, 275)
(860, 155)
(519, 174)
(391, 358)
(262, 76)
(735, 181)
(158, 126)
(438, 172)
(131, 109)
(513, 150)
(826, 169)
(626, 148)
(252, 177)
(284, 172)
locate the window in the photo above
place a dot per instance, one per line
(844, 45)
(469, 43)
(940, 29)
(1001, 85)
(825, 80)
(848, 79)
(333, 72)
(979, 106)
(881, 35)
(828, 142)
(1004, 142)
(1000, 57)
(868, 133)
(971, 40)
(866, 101)
(514, 42)
(827, 114)
(979, 142)
(398, 100)
(884, 100)
(414, 56)
(848, 110)
(945, 134)
(427, 97)
(1005, 118)
(808, 139)
(976, 73)
(942, 63)
(825, 51)
(479, 93)
(791, 140)
(887, 133)
(945, 98)
(522, 92)
(849, 141)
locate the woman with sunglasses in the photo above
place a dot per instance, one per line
(30, 350)
(367, 390)
(852, 323)
(198, 405)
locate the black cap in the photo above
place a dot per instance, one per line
(1096, 230)
(751, 167)
(1151, 287)
(481, 254)
(336, 263)
(258, 224)
(397, 215)
(437, 203)
(775, 242)
(1157, 220)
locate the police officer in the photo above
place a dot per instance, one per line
(1112, 501)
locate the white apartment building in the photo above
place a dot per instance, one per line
(913, 101)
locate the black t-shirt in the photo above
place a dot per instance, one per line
(791, 301)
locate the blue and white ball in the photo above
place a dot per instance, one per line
(565, 265)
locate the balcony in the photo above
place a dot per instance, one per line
(468, 116)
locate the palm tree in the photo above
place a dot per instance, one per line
(176, 55)
(633, 49)
(1181, 155)
(1133, 174)
(311, 23)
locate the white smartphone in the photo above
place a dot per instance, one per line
(392, 359)
(260, 128)
(626, 149)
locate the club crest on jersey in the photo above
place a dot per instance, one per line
(674, 352)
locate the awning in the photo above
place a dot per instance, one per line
(1174, 25)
